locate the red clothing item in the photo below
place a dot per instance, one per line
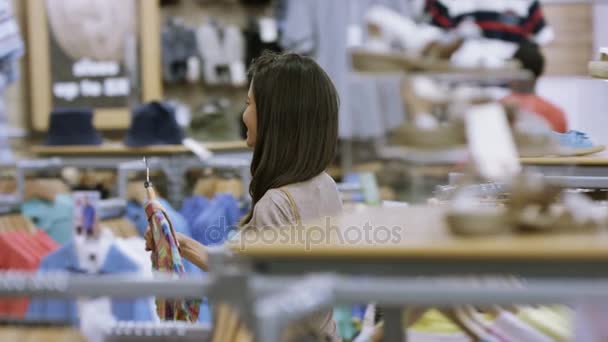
(536, 104)
(22, 251)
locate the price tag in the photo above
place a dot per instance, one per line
(193, 73)
(238, 75)
(354, 36)
(269, 32)
(491, 143)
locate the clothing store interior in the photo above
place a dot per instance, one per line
(303, 170)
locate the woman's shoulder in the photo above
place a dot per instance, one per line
(274, 198)
(274, 208)
(322, 181)
(318, 196)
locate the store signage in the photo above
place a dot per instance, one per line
(89, 54)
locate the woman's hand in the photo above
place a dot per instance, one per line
(189, 249)
(149, 240)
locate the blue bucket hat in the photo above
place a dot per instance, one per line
(72, 126)
(154, 123)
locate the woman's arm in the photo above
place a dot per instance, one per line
(193, 251)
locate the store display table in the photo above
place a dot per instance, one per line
(174, 160)
(416, 241)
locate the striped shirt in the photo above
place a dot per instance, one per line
(507, 20)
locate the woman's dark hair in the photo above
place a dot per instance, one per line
(297, 122)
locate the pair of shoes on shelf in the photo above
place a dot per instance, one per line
(573, 139)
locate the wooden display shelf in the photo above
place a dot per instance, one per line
(423, 235)
(122, 150)
(587, 161)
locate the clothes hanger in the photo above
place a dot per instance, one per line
(115, 226)
(136, 193)
(44, 188)
(16, 221)
(128, 228)
(221, 315)
(9, 223)
(478, 329)
(206, 186)
(415, 314)
(243, 334)
(125, 229)
(232, 324)
(8, 186)
(231, 186)
(471, 314)
(140, 195)
(475, 316)
(228, 327)
(471, 329)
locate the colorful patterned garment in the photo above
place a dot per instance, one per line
(166, 258)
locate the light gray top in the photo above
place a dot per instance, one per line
(313, 199)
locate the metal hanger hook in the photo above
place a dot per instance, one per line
(147, 172)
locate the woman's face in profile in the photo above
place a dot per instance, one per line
(250, 119)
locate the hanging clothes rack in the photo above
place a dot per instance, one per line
(318, 292)
(67, 285)
(8, 202)
(110, 208)
(302, 296)
(238, 164)
(157, 332)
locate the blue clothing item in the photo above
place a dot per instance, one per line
(344, 322)
(359, 311)
(65, 259)
(353, 178)
(88, 216)
(213, 226)
(137, 215)
(193, 207)
(55, 218)
(573, 139)
(244, 208)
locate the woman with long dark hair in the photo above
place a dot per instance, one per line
(292, 126)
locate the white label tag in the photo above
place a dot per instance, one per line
(198, 149)
(269, 32)
(354, 36)
(491, 143)
(193, 73)
(238, 74)
(395, 204)
(8, 28)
